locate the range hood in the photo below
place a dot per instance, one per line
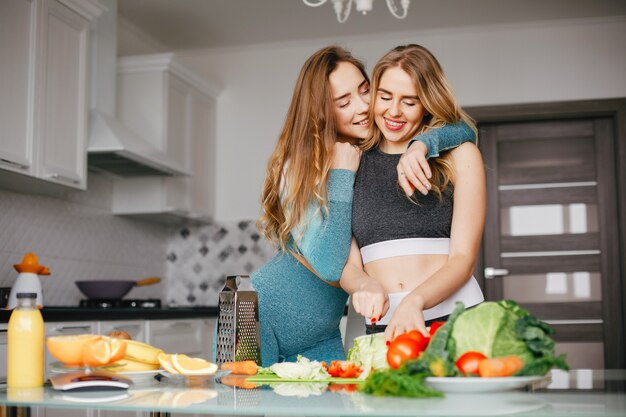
(112, 147)
(115, 149)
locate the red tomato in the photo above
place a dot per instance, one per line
(401, 350)
(469, 361)
(342, 387)
(434, 326)
(420, 339)
(344, 369)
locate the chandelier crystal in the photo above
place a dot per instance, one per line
(343, 7)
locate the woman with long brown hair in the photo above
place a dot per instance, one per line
(412, 258)
(307, 205)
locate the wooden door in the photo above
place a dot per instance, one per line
(551, 238)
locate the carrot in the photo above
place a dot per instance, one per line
(500, 367)
(241, 367)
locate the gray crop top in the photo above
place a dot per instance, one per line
(381, 211)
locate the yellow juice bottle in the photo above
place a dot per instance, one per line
(26, 345)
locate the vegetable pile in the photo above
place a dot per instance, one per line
(493, 339)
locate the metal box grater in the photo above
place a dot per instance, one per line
(238, 328)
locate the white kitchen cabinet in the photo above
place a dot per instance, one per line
(191, 337)
(4, 346)
(45, 70)
(173, 108)
(17, 17)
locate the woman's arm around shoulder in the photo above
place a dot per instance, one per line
(413, 168)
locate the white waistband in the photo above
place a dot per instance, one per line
(470, 294)
(402, 247)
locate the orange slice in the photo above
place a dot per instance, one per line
(193, 366)
(102, 351)
(166, 363)
(68, 349)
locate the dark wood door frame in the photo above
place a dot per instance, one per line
(615, 297)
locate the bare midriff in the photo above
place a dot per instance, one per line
(404, 273)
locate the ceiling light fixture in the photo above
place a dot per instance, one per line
(343, 7)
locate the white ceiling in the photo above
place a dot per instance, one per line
(199, 24)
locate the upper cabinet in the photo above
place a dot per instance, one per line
(44, 88)
(173, 108)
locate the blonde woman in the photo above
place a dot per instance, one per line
(412, 259)
(307, 205)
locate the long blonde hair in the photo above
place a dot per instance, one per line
(297, 171)
(435, 94)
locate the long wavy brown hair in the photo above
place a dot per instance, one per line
(297, 171)
(435, 94)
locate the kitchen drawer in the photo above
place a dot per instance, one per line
(3, 353)
(136, 328)
(178, 336)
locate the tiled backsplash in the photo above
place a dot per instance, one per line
(77, 237)
(200, 258)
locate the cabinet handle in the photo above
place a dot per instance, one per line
(127, 327)
(179, 325)
(70, 328)
(13, 164)
(64, 178)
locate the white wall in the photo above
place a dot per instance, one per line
(552, 61)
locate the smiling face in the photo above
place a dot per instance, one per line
(351, 97)
(398, 111)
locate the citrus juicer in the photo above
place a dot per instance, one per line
(28, 279)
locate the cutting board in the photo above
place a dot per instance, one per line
(270, 378)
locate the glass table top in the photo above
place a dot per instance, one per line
(571, 394)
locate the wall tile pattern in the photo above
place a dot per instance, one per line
(75, 235)
(199, 259)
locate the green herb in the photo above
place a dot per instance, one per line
(398, 383)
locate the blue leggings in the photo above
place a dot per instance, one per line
(299, 313)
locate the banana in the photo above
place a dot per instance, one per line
(131, 365)
(142, 352)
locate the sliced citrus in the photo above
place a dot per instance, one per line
(166, 363)
(193, 366)
(68, 349)
(96, 353)
(102, 351)
(118, 349)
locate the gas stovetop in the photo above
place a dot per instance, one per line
(145, 303)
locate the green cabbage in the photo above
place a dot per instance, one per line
(369, 352)
(489, 329)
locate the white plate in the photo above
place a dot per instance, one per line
(475, 384)
(60, 368)
(139, 376)
(186, 378)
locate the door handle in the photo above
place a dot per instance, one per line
(491, 273)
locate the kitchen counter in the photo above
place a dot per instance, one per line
(571, 394)
(57, 314)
